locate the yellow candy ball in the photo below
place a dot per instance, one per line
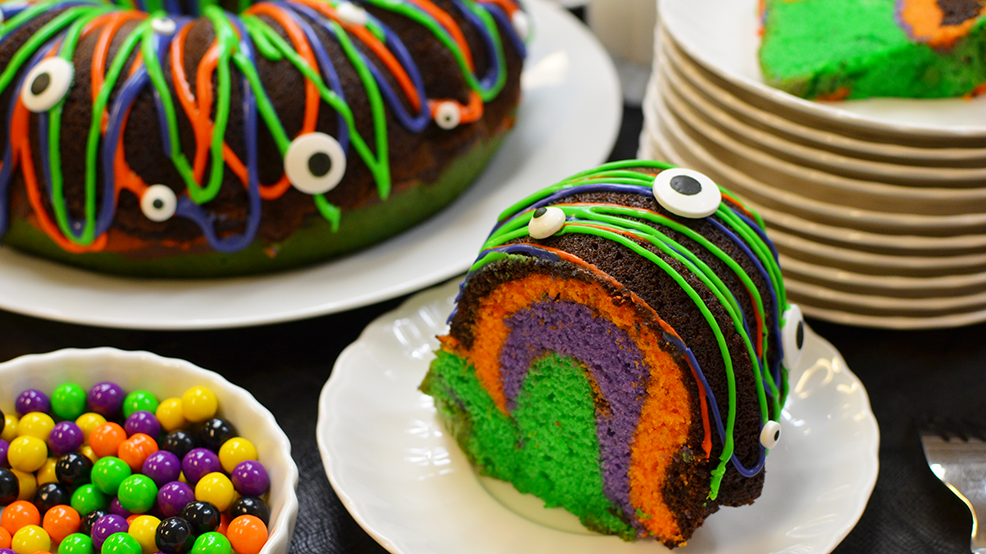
(9, 428)
(234, 451)
(217, 489)
(199, 404)
(35, 424)
(27, 453)
(30, 539)
(28, 483)
(169, 414)
(47, 472)
(88, 422)
(144, 528)
(88, 453)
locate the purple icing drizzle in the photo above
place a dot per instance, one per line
(612, 359)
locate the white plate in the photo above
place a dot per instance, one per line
(568, 121)
(408, 484)
(724, 36)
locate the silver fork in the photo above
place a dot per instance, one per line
(956, 454)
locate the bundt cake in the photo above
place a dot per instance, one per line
(193, 138)
(619, 348)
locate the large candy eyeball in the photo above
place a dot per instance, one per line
(46, 84)
(521, 24)
(770, 434)
(546, 222)
(352, 14)
(687, 193)
(315, 163)
(447, 115)
(158, 203)
(793, 336)
(164, 25)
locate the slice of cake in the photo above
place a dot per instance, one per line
(835, 49)
(619, 349)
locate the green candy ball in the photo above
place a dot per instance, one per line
(76, 543)
(137, 493)
(108, 473)
(120, 543)
(88, 498)
(139, 400)
(211, 543)
(68, 401)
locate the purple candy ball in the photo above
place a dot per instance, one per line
(65, 437)
(162, 467)
(7, 551)
(4, 446)
(32, 400)
(198, 463)
(173, 497)
(118, 509)
(106, 526)
(250, 478)
(142, 422)
(106, 399)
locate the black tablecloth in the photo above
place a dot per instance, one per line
(909, 376)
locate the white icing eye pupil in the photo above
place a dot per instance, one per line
(793, 336)
(687, 193)
(353, 14)
(158, 203)
(447, 115)
(770, 434)
(546, 222)
(46, 84)
(521, 24)
(315, 163)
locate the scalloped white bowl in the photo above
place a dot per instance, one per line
(168, 377)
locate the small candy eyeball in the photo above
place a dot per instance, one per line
(447, 115)
(687, 193)
(521, 24)
(546, 222)
(47, 83)
(164, 25)
(352, 14)
(793, 336)
(315, 163)
(158, 203)
(770, 434)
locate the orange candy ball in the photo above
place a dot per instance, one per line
(61, 521)
(106, 439)
(19, 514)
(4, 538)
(136, 449)
(247, 534)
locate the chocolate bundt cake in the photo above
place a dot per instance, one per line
(836, 49)
(619, 349)
(193, 138)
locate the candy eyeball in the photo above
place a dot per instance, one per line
(158, 203)
(46, 84)
(793, 336)
(352, 14)
(770, 434)
(521, 24)
(447, 115)
(687, 193)
(164, 25)
(315, 163)
(546, 222)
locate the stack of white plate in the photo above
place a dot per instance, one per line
(877, 207)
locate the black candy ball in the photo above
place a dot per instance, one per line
(202, 516)
(10, 486)
(90, 519)
(174, 536)
(50, 495)
(73, 469)
(251, 506)
(179, 443)
(215, 432)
